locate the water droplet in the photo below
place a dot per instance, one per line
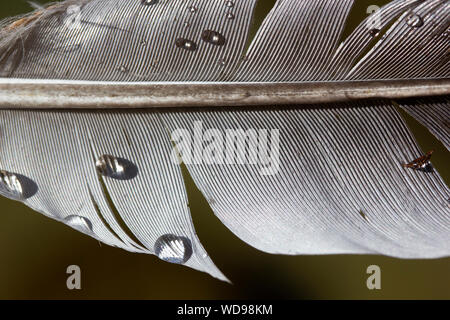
(186, 24)
(149, 2)
(122, 69)
(173, 249)
(186, 44)
(213, 37)
(79, 223)
(192, 9)
(230, 16)
(10, 186)
(229, 3)
(414, 21)
(16, 187)
(374, 32)
(116, 168)
(223, 62)
(144, 43)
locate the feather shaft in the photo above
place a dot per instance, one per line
(58, 94)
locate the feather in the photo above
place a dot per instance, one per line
(291, 132)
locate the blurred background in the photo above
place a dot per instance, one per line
(35, 252)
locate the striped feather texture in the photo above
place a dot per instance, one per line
(333, 184)
(121, 40)
(433, 114)
(58, 153)
(329, 195)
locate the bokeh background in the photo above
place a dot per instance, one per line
(35, 252)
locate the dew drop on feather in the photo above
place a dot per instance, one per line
(186, 44)
(116, 168)
(10, 186)
(173, 249)
(213, 37)
(149, 2)
(414, 21)
(79, 223)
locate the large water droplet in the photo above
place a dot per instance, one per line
(213, 37)
(149, 2)
(173, 249)
(414, 21)
(186, 44)
(116, 168)
(79, 223)
(15, 186)
(10, 186)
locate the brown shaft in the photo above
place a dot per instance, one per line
(32, 94)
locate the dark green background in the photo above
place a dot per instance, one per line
(35, 252)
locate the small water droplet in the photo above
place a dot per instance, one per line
(213, 37)
(186, 44)
(79, 223)
(374, 32)
(230, 16)
(223, 62)
(116, 168)
(144, 43)
(122, 69)
(186, 24)
(10, 186)
(173, 249)
(149, 2)
(229, 3)
(414, 21)
(192, 9)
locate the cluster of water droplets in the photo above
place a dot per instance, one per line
(413, 20)
(209, 36)
(169, 247)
